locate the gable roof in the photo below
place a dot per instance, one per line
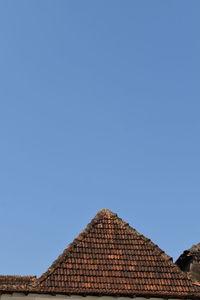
(111, 258)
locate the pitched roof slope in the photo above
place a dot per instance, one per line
(111, 258)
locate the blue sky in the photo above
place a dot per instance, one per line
(99, 107)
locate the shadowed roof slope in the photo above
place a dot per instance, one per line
(189, 261)
(193, 252)
(111, 258)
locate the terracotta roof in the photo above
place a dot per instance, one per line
(111, 258)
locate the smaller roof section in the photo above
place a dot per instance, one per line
(189, 261)
(13, 282)
(193, 252)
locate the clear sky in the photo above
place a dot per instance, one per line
(99, 107)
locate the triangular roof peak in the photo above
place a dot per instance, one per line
(111, 258)
(103, 212)
(106, 211)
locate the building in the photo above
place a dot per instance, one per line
(108, 259)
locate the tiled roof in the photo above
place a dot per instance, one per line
(111, 258)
